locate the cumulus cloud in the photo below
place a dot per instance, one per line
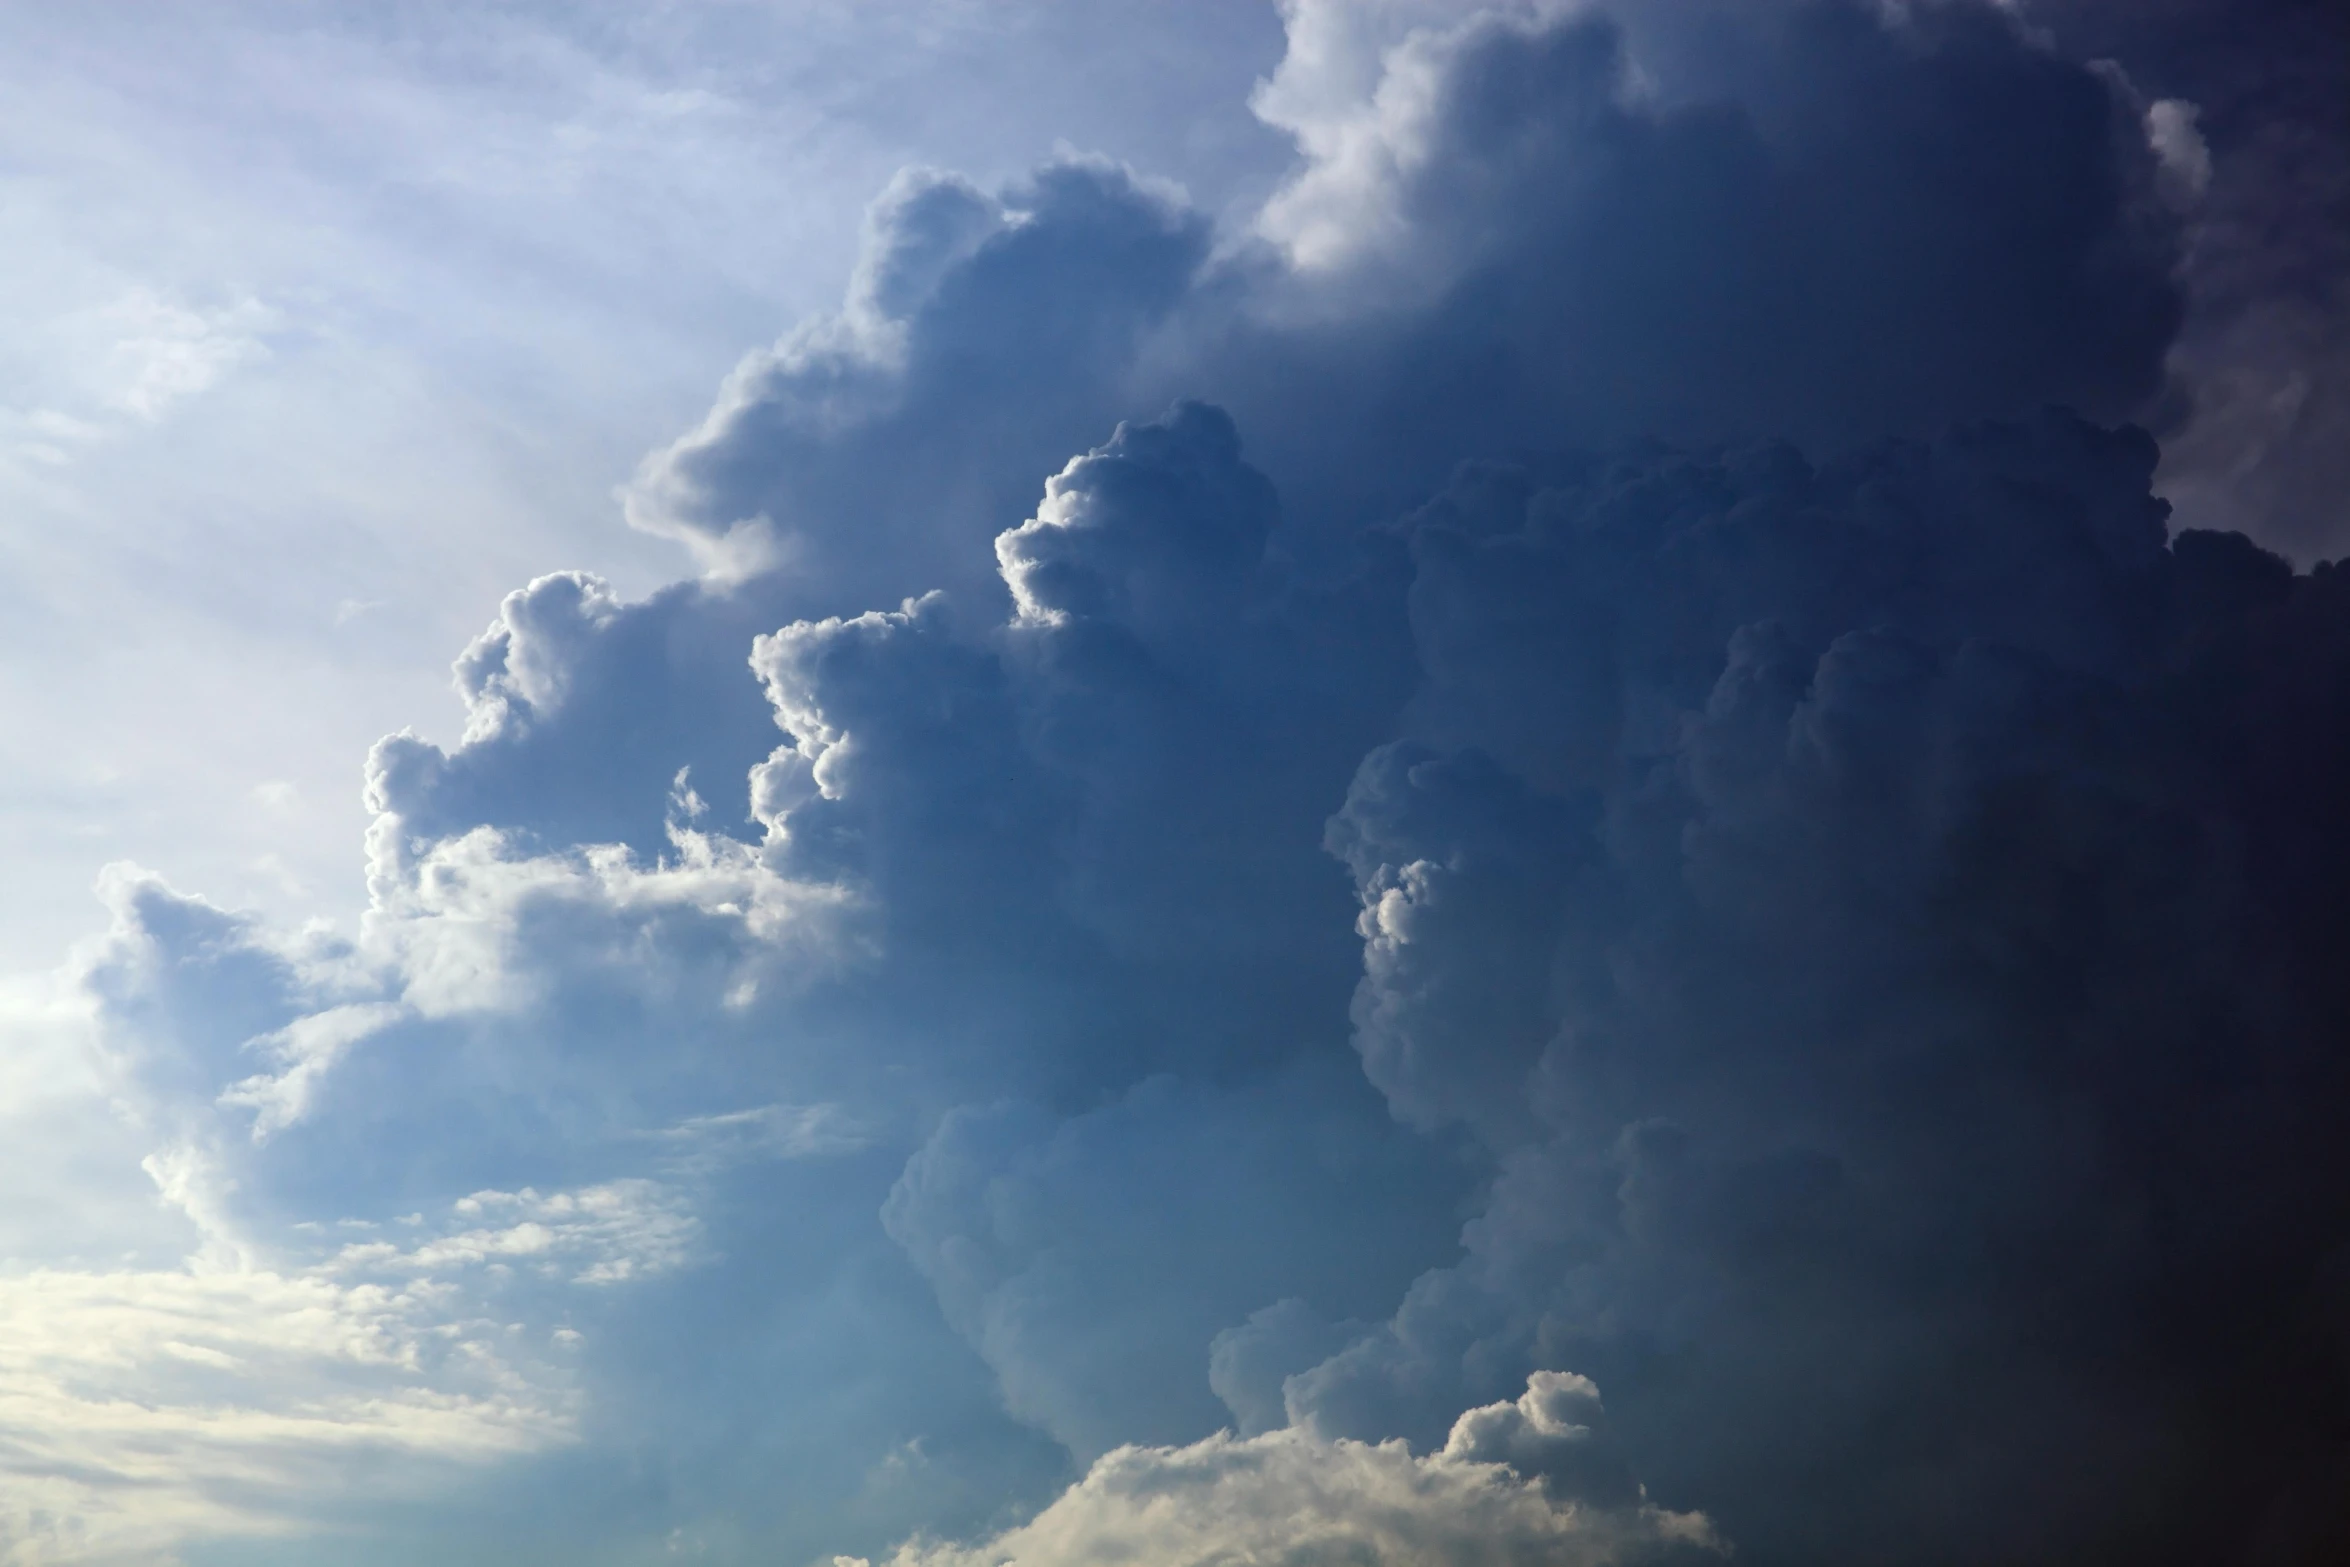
(1539, 769)
(1925, 915)
(1876, 226)
(981, 341)
(324, 1340)
(1496, 1492)
(1101, 1331)
(1698, 222)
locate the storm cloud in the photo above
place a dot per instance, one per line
(1545, 853)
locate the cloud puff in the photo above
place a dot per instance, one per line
(982, 340)
(1094, 798)
(1289, 1496)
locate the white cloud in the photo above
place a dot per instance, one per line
(138, 1408)
(604, 1234)
(1290, 1497)
(2177, 140)
(708, 1142)
(1358, 92)
(449, 919)
(285, 1370)
(304, 1050)
(124, 363)
(160, 351)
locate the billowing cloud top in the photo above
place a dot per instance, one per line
(1543, 856)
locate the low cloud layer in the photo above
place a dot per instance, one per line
(1514, 1483)
(1532, 832)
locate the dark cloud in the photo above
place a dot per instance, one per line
(1887, 986)
(2259, 417)
(1818, 226)
(1857, 228)
(981, 343)
(1622, 811)
(1100, 1328)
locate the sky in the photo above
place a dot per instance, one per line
(1002, 782)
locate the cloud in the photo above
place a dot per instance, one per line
(1699, 222)
(1100, 1331)
(1969, 231)
(609, 1233)
(1850, 882)
(472, 1141)
(982, 339)
(306, 1049)
(138, 1408)
(2240, 101)
(1289, 1496)
(704, 1142)
(163, 352)
(129, 362)
(1541, 770)
(1744, 263)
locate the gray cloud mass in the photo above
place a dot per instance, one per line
(1545, 854)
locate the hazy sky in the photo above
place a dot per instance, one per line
(985, 782)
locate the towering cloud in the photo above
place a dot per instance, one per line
(1585, 872)
(1892, 1022)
